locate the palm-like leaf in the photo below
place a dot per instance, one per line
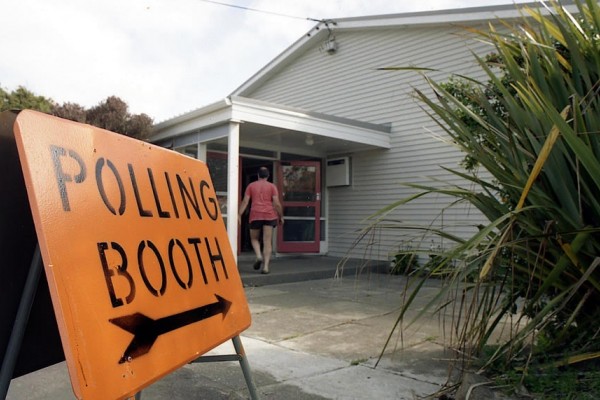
(535, 128)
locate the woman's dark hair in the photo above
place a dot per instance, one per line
(263, 172)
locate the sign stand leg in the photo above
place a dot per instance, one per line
(138, 396)
(239, 349)
(239, 356)
(21, 319)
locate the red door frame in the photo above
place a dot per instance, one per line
(300, 247)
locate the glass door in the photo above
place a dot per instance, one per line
(299, 184)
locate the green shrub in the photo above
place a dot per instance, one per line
(405, 263)
(534, 126)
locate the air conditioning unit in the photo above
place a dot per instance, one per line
(337, 172)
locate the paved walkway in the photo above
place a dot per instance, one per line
(313, 338)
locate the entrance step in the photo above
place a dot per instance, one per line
(288, 269)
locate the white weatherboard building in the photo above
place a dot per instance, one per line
(339, 134)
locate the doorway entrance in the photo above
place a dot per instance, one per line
(299, 186)
(248, 174)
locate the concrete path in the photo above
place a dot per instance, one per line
(313, 339)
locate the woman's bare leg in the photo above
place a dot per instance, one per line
(267, 247)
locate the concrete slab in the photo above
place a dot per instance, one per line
(262, 291)
(364, 383)
(48, 383)
(347, 310)
(280, 325)
(286, 300)
(281, 363)
(351, 341)
(428, 362)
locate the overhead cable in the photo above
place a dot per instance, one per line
(260, 11)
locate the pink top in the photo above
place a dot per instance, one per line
(261, 193)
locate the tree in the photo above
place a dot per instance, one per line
(70, 111)
(139, 126)
(21, 99)
(111, 114)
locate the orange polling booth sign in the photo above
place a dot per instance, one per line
(140, 269)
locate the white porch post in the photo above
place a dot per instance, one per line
(201, 152)
(233, 168)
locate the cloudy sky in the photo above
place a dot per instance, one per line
(162, 57)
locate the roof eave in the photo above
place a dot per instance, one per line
(210, 115)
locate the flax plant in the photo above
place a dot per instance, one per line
(534, 127)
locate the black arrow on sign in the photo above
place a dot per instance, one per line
(145, 330)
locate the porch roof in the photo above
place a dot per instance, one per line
(273, 127)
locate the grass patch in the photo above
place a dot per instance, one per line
(568, 383)
(548, 380)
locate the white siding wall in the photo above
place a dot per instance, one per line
(348, 84)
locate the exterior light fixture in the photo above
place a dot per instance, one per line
(330, 46)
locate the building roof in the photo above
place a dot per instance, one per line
(321, 30)
(239, 104)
